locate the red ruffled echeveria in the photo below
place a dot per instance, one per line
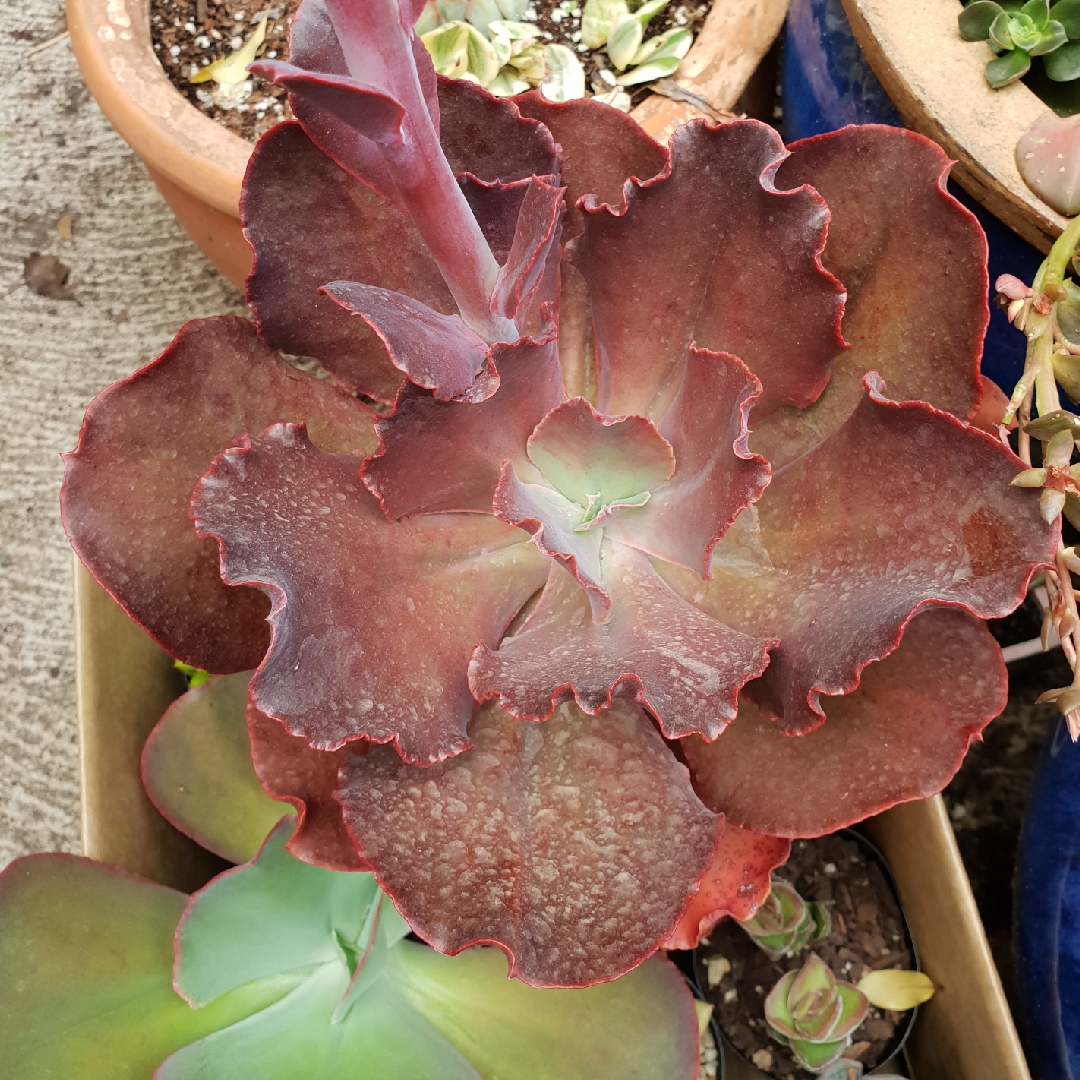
(588, 614)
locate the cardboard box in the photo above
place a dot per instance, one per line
(125, 681)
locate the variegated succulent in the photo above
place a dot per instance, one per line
(549, 640)
(785, 924)
(814, 1014)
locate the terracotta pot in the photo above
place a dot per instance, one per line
(198, 165)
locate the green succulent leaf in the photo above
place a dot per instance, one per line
(975, 20)
(453, 10)
(1038, 11)
(1001, 31)
(429, 19)
(86, 956)
(624, 41)
(1063, 64)
(513, 9)
(1053, 37)
(663, 59)
(1067, 12)
(448, 47)
(647, 10)
(597, 19)
(197, 770)
(481, 13)
(1008, 68)
(817, 1056)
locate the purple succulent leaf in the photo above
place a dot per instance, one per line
(682, 665)
(373, 621)
(947, 669)
(716, 476)
(708, 253)
(552, 519)
(144, 443)
(916, 321)
(510, 829)
(535, 236)
(438, 352)
(849, 541)
(446, 456)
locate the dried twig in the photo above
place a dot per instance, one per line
(45, 44)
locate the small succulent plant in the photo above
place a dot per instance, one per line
(785, 924)
(1018, 32)
(813, 1014)
(620, 26)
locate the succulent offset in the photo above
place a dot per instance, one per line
(1017, 32)
(785, 924)
(496, 606)
(814, 1014)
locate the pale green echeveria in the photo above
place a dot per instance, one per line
(289, 971)
(621, 28)
(1018, 32)
(814, 1014)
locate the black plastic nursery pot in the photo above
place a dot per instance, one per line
(125, 681)
(730, 935)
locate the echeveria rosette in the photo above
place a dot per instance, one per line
(280, 970)
(1018, 32)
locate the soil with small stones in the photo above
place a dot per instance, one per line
(190, 34)
(867, 933)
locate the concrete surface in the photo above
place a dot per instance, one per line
(135, 278)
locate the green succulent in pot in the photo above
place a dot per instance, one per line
(1017, 32)
(813, 1014)
(785, 924)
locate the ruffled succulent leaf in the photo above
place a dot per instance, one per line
(1047, 159)
(144, 443)
(683, 666)
(1007, 68)
(292, 771)
(716, 476)
(861, 499)
(654, 288)
(373, 621)
(445, 456)
(927, 347)
(86, 955)
(947, 666)
(735, 883)
(498, 844)
(1067, 12)
(438, 352)
(974, 21)
(196, 768)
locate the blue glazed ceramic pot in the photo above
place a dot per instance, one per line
(826, 84)
(1046, 931)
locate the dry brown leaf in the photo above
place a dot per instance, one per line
(63, 227)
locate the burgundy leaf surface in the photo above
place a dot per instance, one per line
(857, 535)
(291, 770)
(439, 456)
(681, 664)
(310, 223)
(600, 148)
(917, 321)
(735, 883)
(714, 254)
(715, 477)
(574, 844)
(144, 443)
(373, 621)
(901, 735)
(438, 352)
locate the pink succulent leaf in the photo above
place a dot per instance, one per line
(710, 253)
(682, 665)
(598, 461)
(144, 443)
(716, 476)
(488, 138)
(574, 845)
(852, 539)
(916, 321)
(1047, 159)
(310, 222)
(1012, 287)
(735, 884)
(438, 352)
(292, 771)
(373, 621)
(444, 456)
(553, 521)
(536, 234)
(600, 148)
(900, 735)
